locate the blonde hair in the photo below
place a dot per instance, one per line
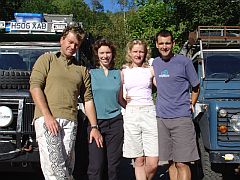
(147, 52)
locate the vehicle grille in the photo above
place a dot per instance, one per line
(231, 135)
(28, 113)
(23, 110)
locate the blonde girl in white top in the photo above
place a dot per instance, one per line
(140, 123)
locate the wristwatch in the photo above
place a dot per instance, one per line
(94, 126)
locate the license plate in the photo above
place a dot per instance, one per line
(2, 24)
(28, 26)
(58, 27)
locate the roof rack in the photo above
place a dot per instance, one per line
(218, 33)
(216, 36)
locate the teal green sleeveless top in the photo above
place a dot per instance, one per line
(105, 92)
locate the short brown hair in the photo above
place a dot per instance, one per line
(164, 33)
(74, 29)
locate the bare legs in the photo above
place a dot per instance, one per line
(145, 167)
(179, 171)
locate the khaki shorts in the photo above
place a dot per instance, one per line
(177, 140)
(140, 131)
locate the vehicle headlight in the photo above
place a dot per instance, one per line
(235, 122)
(6, 116)
(222, 113)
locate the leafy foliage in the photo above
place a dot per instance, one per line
(150, 19)
(37, 6)
(7, 8)
(207, 12)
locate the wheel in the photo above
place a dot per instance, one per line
(207, 166)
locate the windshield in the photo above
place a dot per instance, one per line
(21, 57)
(221, 64)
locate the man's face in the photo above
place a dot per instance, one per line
(69, 45)
(165, 46)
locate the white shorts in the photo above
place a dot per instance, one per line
(140, 131)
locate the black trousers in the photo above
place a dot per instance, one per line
(104, 162)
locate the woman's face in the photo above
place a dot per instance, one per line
(137, 55)
(105, 56)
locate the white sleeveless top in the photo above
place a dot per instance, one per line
(138, 85)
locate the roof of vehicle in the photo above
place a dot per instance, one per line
(16, 37)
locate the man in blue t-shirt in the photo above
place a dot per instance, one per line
(175, 74)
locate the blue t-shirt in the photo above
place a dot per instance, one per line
(105, 92)
(174, 78)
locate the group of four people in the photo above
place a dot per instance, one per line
(144, 133)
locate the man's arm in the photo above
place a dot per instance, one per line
(37, 84)
(195, 93)
(91, 114)
(153, 76)
(40, 101)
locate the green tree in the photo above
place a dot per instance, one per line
(180, 16)
(149, 18)
(37, 6)
(207, 12)
(7, 8)
(97, 6)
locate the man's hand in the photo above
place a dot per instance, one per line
(40, 100)
(96, 135)
(128, 98)
(51, 124)
(192, 108)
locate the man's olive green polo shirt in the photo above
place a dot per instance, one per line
(61, 80)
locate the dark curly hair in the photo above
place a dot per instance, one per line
(104, 42)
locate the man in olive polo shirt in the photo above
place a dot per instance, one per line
(55, 85)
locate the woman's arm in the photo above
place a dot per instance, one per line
(121, 100)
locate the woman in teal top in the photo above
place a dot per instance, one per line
(108, 99)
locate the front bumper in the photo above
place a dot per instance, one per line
(225, 157)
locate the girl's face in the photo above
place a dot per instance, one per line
(105, 56)
(137, 55)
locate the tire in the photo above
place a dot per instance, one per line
(14, 79)
(207, 166)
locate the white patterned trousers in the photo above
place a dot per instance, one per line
(57, 154)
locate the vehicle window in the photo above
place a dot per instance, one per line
(221, 64)
(12, 61)
(21, 58)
